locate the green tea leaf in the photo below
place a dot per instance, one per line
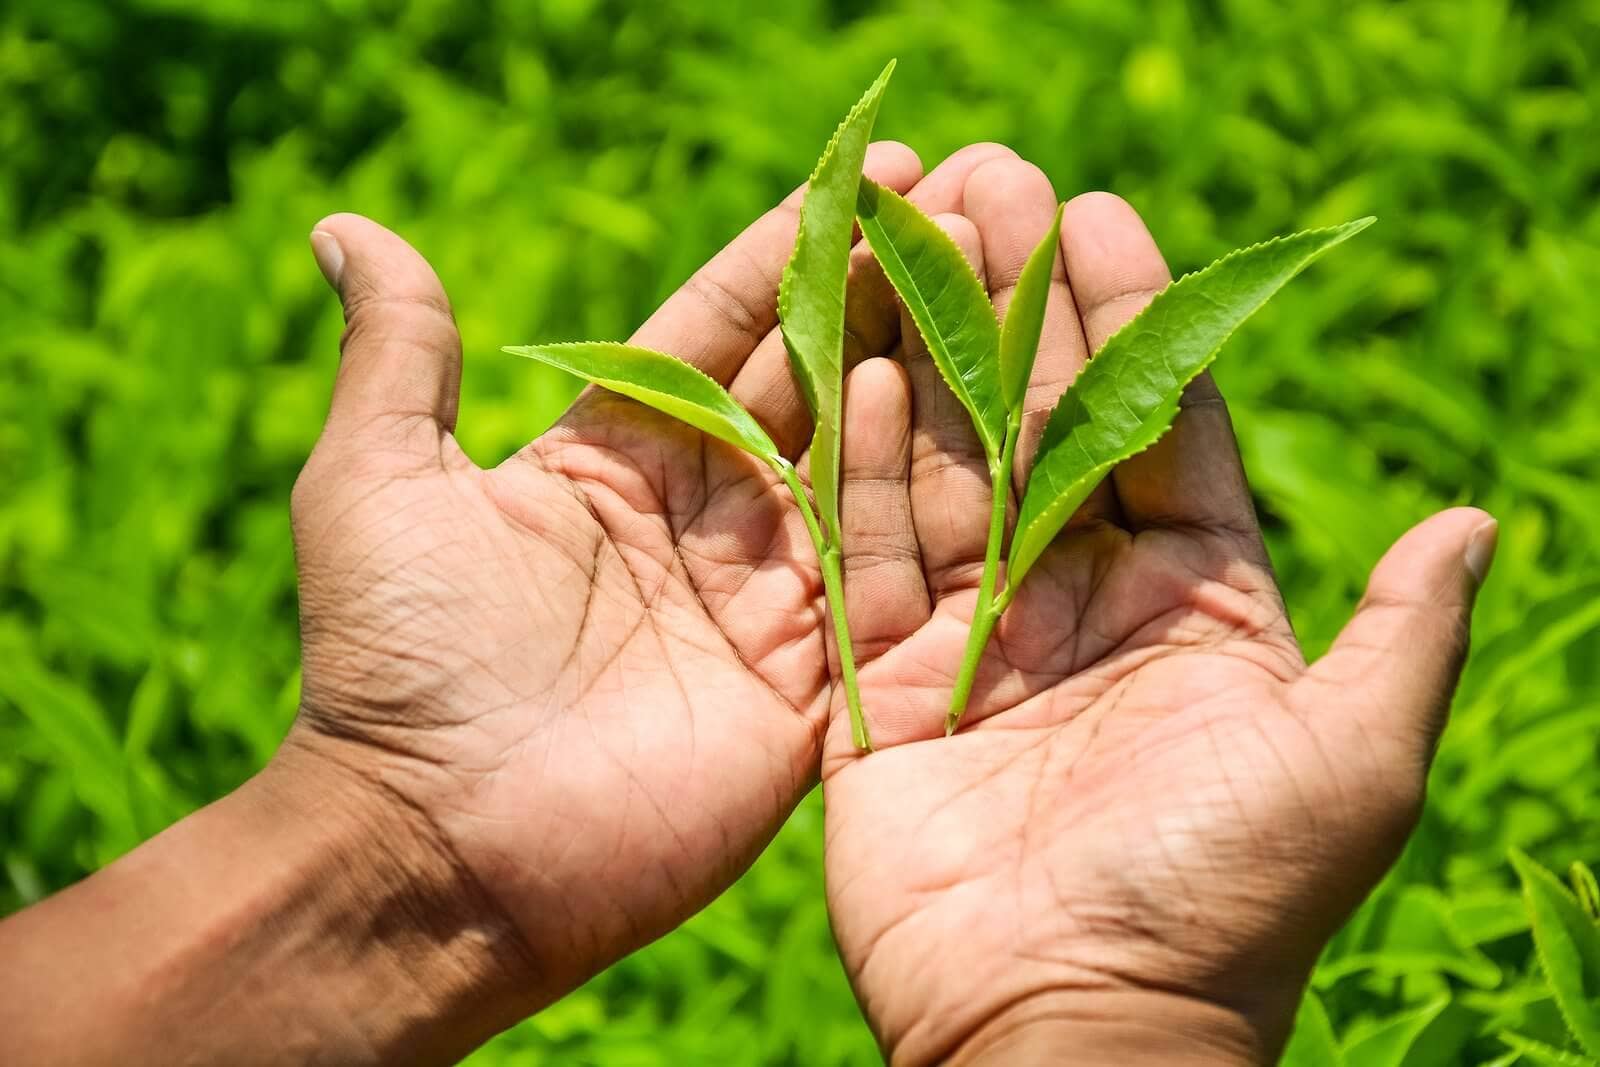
(1413, 933)
(1542, 1055)
(811, 293)
(663, 382)
(1585, 888)
(1312, 1043)
(1019, 337)
(1569, 949)
(1127, 396)
(1428, 1036)
(946, 300)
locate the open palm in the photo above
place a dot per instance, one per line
(1151, 795)
(599, 670)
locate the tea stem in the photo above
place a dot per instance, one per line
(830, 556)
(987, 613)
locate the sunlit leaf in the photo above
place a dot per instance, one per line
(1568, 943)
(946, 300)
(1585, 888)
(811, 293)
(1540, 1054)
(1312, 1043)
(663, 382)
(1413, 933)
(1127, 396)
(1019, 336)
(1428, 1036)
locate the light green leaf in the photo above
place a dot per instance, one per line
(1413, 934)
(663, 382)
(1312, 1043)
(1535, 1052)
(1019, 337)
(811, 293)
(1127, 396)
(1569, 949)
(1429, 1036)
(1585, 888)
(73, 723)
(946, 300)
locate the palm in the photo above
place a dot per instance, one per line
(1148, 791)
(1127, 774)
(600, 664)
(620, 566)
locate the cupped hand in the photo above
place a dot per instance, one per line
(596, 675)
(1155, 812)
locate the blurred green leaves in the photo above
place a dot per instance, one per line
(168, 349)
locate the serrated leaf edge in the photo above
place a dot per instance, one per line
(1523, 1045)
(874, 92)
(1528, 868)
(958, 385)
(1354, 226)
(1097, 474)
(1351, 228)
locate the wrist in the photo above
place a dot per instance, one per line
(434, 965)
(306, 917)
(1124, 1028)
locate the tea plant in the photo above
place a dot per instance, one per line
(1567, 942)
(1122, 403)
(811, 313)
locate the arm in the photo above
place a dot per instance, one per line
(301, 919)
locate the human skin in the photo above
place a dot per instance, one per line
(1155, 813)
(549, 709)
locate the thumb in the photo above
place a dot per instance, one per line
(1396, 663)
(400, 357)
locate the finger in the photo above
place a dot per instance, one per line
(1193, 475)
(949, 472)
(766, 386)
(725, 309)
(1013, 205)
(400, 357)
(885, 597)
(1392, 671)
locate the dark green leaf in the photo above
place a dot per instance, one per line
(1127, 396)
(946, 300)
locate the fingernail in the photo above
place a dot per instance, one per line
(330, 257)
(1480, 549)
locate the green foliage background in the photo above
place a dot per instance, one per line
(168, 347)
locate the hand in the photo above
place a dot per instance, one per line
(597, 673)
(1155, 813)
